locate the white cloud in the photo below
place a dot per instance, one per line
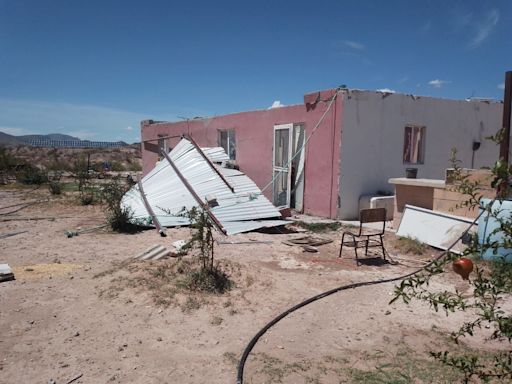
(501, 86)
(438, 83)
(484, 28)
(129, 128)
(386, 90)
(354, 45)
(276, 104)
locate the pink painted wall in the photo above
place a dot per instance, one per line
(254, 141)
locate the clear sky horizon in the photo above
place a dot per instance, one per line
(95, 69)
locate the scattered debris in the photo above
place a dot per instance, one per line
(70, 234)
(75, 378)
(245, 242)
(156, 252)
(6, 273)
(313, 241)
(178, 245)
(22, 218)
(308, 243)
(5, 235)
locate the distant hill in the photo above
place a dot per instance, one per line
(12, 140)
(8, 140)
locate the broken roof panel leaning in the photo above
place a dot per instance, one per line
(239, 211)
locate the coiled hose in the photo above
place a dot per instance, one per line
(254, 340)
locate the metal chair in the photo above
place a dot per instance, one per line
(367, 237)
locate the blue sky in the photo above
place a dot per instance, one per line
(94, 69)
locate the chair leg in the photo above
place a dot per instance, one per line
(366, 246)
(383, 249)
(355, 249)
(342, 242)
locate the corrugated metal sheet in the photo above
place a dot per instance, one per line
(216, 154)
(238, 211)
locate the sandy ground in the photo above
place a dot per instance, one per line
(68, 311)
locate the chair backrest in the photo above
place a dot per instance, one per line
(372, 215)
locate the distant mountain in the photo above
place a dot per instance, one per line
(8, 140)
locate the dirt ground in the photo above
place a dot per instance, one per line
(77, 308)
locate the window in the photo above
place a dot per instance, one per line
(414, 145)
(162, 143)
(227, 141)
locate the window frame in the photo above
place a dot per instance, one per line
(230, 142)
(408, 142)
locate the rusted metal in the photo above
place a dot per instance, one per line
(158, 226)
(212, 166)
(201, 203)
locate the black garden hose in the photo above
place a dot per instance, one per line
(254, 340)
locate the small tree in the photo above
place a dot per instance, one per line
(492, 284)
(210, 276)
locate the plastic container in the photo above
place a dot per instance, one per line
(489, 222)
(411, 173)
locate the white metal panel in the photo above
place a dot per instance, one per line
(169, 197)
(433, 228)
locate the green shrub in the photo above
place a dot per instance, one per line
(120, 219)
(55, 187)
(31, 175)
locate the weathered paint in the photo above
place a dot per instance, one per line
(357, 148)
(254, 141)
(373, 136)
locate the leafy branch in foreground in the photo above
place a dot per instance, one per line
(491, 284)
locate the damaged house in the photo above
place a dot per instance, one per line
(321, 156)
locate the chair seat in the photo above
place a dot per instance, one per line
(365, 232)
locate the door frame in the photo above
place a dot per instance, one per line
(287, 170)
(291, 128)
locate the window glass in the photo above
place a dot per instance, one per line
(227, 140)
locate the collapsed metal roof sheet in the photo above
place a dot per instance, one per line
(239, 210)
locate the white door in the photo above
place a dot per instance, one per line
(288, 166)
(281, 164)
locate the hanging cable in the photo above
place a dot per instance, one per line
(331, 102)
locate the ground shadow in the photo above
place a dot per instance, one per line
(375, 261)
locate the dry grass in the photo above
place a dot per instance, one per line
(168, 283)
(408, 246)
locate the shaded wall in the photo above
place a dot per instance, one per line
(254, 146)
(373, 137)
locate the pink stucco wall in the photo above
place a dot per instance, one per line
(254, 141)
